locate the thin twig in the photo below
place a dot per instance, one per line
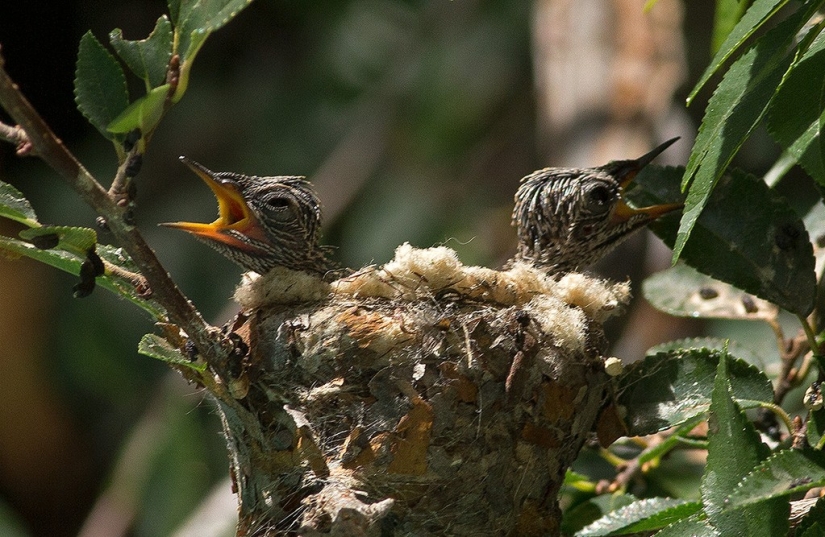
(789, 377)
(119, 188)
(16, 135)
(51, 149)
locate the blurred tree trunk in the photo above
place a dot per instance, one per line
(606, 73)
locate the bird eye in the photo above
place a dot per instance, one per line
(280, 209)
(597, 199)
(277, 203)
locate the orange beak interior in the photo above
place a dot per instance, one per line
(233, 212)
(624, 212)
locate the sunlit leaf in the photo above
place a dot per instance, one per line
(144, 114)
(209, 15)
(196, 40)
(796, 115)
(147, 58)
(759, 12)
(748, 236)
(727, 15)
(643, 515)
(671, 441)
(155, 346)
(684, 292)
(733, 111)
(77, 240)
(734, 450)
(70, 262)
(14, 205)
(786, 472)
(695, 526)
(198, 18)
(668, 389)
(711, 343)
(194, 21)
(593, 509)
(578, 481)
(99, 84)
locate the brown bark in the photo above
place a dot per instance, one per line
(422, 398)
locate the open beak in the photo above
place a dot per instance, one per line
(626, 171)
(233, 212)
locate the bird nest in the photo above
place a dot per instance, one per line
(421, 389)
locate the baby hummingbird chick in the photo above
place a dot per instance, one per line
(568, 218)
(263, 222)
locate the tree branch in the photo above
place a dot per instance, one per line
(51, 149)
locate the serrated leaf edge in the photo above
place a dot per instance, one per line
(761, 467)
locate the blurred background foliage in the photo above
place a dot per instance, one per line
(414, 119)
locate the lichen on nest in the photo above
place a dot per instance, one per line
(423, 373)
(416, 274)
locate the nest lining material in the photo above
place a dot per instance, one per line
(416, 275)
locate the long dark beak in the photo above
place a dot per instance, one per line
(625, 171)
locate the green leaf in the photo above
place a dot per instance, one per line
(14, 205)
(144, 114)
(816, 426)
(759, 13)
(196, 40)
(70, 262)
(194, 21)
(734, 450)
(60, 259)
(728, 13)
(668, 389)
(814, 530)
(174, 10)
(733, 111)
(748, 236)
(695, 526)
(207, 15)
(572, 478)
(797, 128)
(787, 472)
(155, 346)
(684, 292)
(99, 84)
(640, 516)
(659, 450)
(711, 343)
(593, 509)
(147, 58)
(76, 240)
